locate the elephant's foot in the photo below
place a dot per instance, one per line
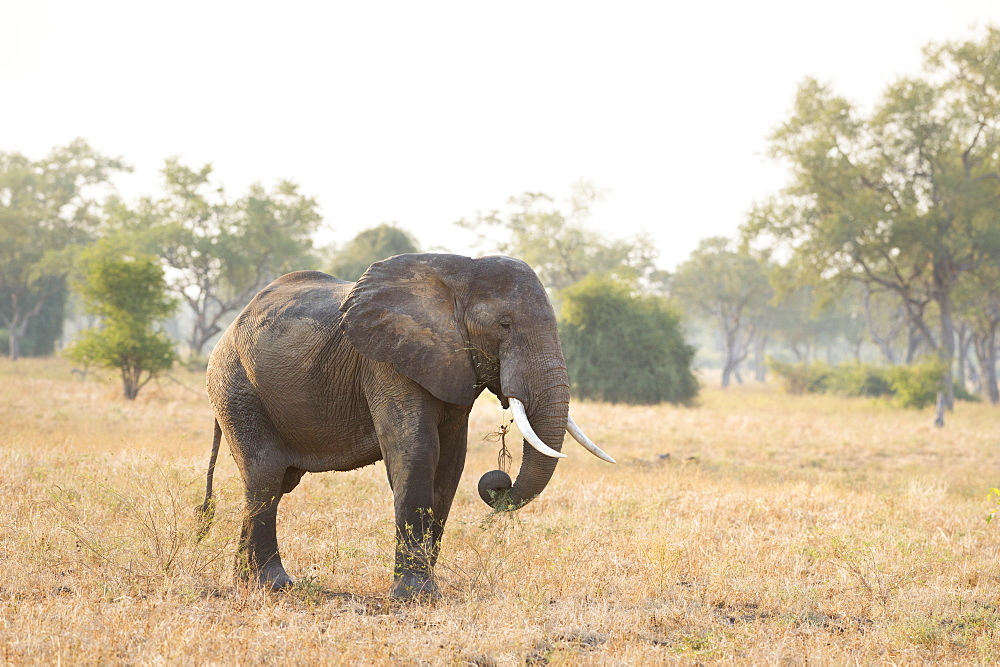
(273, 577)
(415, 586)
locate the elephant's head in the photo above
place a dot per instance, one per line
(456, 325)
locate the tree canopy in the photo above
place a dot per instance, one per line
(907, 197)
(130, 297)
(729, 288)
(49, 208)
(368, 247)
(557, 241)
(222, 251)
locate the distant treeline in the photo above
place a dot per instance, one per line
(884, 247)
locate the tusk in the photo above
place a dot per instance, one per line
(587, 443)
(521, 419)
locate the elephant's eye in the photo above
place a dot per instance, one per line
(505, 322)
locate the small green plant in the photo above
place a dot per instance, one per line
(310, 591)
(485, 561)
(923, 632)
(701, 643)
(993, 497)
(139, 528)
(857, 379)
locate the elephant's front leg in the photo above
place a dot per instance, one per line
(453, 436)
(413, 573)
(407, 428)
(424, 475)
(411, 476)
(423, 445)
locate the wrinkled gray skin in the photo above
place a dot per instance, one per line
(319, 374)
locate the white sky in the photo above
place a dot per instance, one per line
(426, 112)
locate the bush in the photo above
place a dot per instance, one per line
(917, 385)
(913, 386)
(623, 347)
(963, 394)
(857, 379)
(801, 378)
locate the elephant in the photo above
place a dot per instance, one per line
(320, 374)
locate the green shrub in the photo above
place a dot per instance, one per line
(801, 378)
(913, 386)
(963, 394)
(857, 379)
(917, 385)
(623, 347)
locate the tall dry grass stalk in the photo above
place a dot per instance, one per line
(753, 527)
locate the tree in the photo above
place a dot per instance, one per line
(907, 198)
(885, 319)
(48, 211)
(221, 252)
(621, 346)
(368, 247)
(130, 297)
(807, 317)
(557, 241)
(42, 330)
(978, 304)
(731, 289)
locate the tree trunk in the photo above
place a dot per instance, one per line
(913, 341)
(947, 349)
(18, 330)
(975, 378)
(985, 346)
(14, 345)
(17, 327)
(964, 338)
(129, 382)
(884, 342)
(760, 359)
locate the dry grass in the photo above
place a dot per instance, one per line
(777, 529)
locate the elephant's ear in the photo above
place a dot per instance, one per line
(402, 311)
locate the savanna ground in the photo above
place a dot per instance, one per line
(754, 527)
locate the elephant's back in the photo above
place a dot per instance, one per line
(311, 295)
(290, 319)
(296, 314)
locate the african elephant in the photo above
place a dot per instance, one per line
(319, 374)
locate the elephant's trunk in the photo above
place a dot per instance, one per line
(547, 407)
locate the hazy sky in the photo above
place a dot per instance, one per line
(426, 112)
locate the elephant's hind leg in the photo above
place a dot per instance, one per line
(258, 559)
(267, 475)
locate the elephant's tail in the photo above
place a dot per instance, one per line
(206, 511)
